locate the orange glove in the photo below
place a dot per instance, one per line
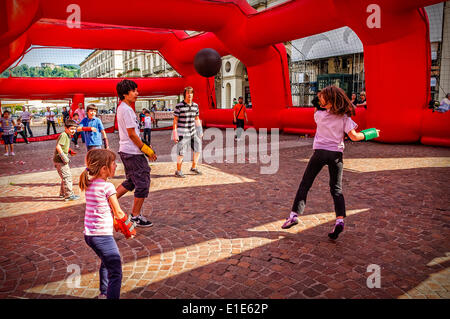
(125, 226)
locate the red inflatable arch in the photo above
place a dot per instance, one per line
(398, 49)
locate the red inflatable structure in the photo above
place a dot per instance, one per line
(397, 48)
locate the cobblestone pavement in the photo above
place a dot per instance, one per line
(218, 235)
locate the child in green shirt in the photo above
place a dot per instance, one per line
(61, 160)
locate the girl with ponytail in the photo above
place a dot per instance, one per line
(99, 221)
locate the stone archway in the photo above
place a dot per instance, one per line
(242, 84)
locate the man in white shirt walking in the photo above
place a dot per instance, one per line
(131, 151)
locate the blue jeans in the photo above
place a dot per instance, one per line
(148, 135)
(27, 127)
(111, 267)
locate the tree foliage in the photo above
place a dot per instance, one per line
(63, 71)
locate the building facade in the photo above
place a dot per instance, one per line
(335, 57)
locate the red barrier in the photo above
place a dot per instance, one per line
(397, 57)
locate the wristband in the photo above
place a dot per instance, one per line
(147, 150)
(370, 133)
(87, 129)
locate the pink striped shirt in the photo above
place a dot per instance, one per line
(98, 218)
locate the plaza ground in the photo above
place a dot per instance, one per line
(218, 235)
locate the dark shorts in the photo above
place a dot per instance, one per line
(8, 139)
(137, 174)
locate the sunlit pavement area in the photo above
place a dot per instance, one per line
(218, 235)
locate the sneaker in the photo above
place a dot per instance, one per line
(338, 228)
(77, 146)
(179, 174)
(196, 171)
(101, 296)
(61, 196)
(12, 153)
(141, 221)
(71, 198)
(291, 221)
(6, 154)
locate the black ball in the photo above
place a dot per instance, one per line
(207, 62)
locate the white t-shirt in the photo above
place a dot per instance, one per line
(98, 219)
(148, 122)
(50, 116)
(126, 118)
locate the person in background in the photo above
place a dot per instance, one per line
(81, 115)
(153, 111)
(354, 99)
(20, 129)
(362, 100)
(445, 104)
(93, 128)
(26, 120)
(239, 115)
(50, 116)
(65, 114)
(8, 133)
(148, 128)
(76, 118)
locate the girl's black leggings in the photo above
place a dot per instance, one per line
(318, 160)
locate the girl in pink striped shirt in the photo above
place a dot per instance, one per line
(98, 220)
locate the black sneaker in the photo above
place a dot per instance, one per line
(196, 171)
(141, 221)
(338, 228)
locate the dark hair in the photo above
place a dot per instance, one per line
(340, 103)
(448, 96)
(146, 112)
(91, 107)
(69, 123)
(6, 112)
(125, 86)
(75, 114)
(188, 88)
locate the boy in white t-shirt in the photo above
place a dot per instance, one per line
(147, 128)
(132, 150)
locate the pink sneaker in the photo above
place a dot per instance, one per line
(291, 221)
